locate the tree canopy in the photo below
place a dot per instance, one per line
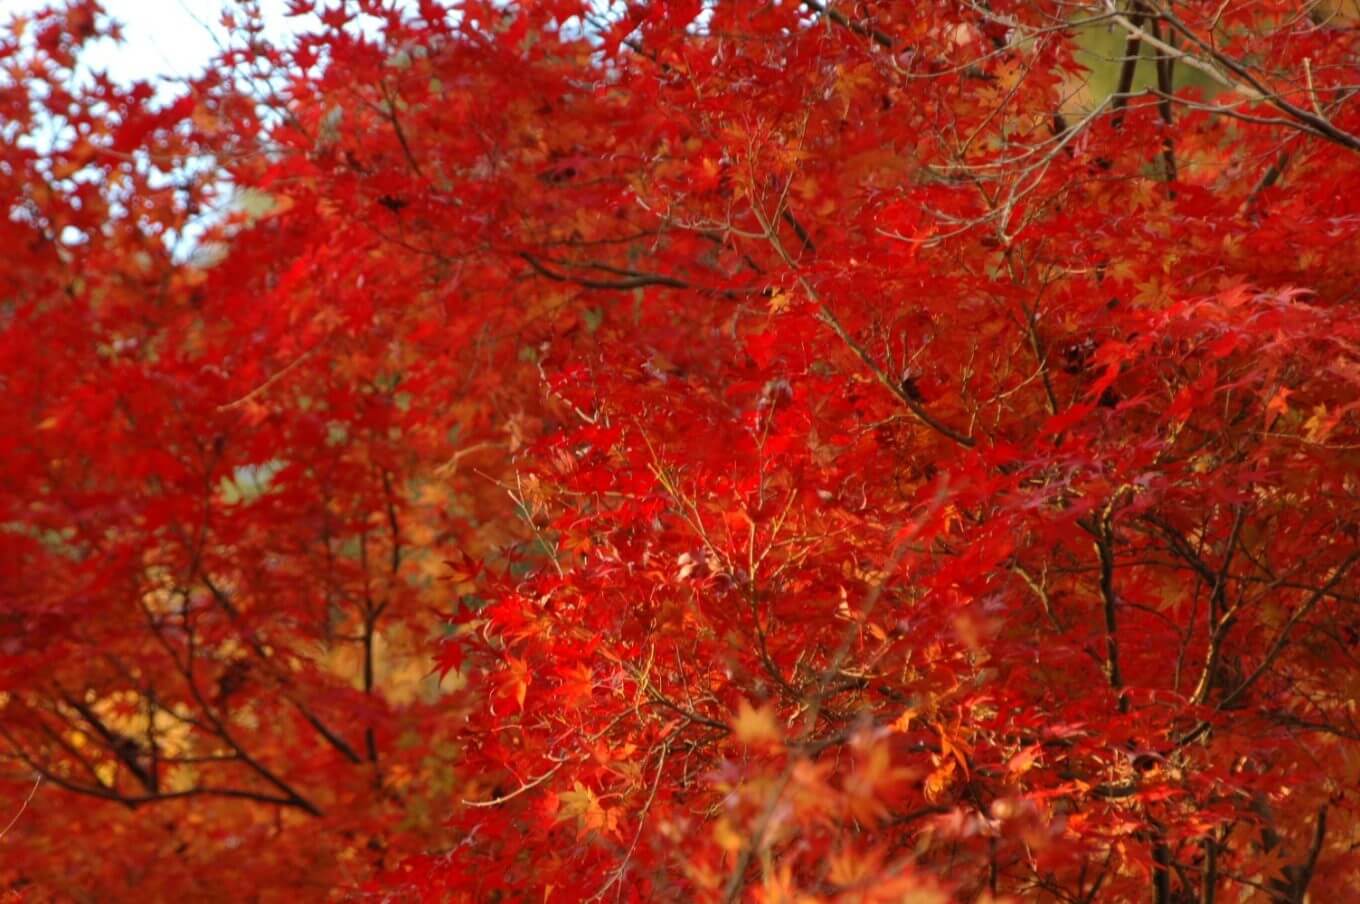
(677, 450)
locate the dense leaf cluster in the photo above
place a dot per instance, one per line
(712, 451)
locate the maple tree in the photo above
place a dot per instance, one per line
(686, 451)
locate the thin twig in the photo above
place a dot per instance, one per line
(528, 786)
(22, 807)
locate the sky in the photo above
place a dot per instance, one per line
(161, 38)
(164, 42)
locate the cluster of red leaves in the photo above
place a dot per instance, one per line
(849, 455)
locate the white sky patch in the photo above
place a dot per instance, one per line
(165, 43)
(162, 39)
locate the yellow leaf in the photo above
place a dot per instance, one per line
(756, 726)
(903, 722)
(728, 838)
(433, 568)
(956, 748)
(420, 534)
(848, 867)
(1023, 761)
(576, 803)
(939, 781)
(1320, 424)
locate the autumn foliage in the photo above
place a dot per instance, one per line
(685, 451)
